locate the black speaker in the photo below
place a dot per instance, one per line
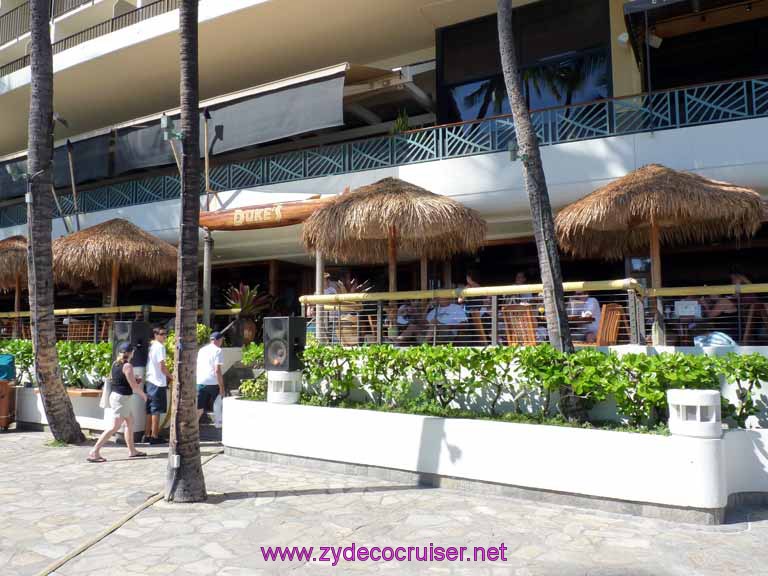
(284, 341)
(138, 335)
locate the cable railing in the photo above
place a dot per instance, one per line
(101, 29)
(712, 315)
(94, 324)
(605, 313)
(689, 106)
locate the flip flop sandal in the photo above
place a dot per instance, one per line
(138, 455)
(96, 460)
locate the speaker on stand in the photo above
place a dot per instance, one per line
(284, 341)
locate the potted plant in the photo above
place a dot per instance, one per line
(251, 305)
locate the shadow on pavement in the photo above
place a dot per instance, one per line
(230, 496)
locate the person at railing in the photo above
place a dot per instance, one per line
(447, 318)
(521, 279)
(721, 311)
(583, 306)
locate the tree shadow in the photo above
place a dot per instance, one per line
(433, 436)
(232, 496)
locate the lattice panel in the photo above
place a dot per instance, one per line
(760, 97)
(325, 161)
(466, 139)
(581, 122)
(371, 154)
(286, 167)
(247, 174)
(416, 147)
(641, 113)
(715, 103)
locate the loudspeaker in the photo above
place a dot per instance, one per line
(284, 341)
(138, 335)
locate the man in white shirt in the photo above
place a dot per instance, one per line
(156, 376)
(210, 379)
(588, 308)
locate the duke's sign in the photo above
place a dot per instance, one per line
(257, 215)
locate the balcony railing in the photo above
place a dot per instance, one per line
(14, 23)
(96, 31)
(60, 7)
(690, 106)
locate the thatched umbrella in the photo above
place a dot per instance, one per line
(372, 224)
(13, 267)
(110, 252)
(656, 205)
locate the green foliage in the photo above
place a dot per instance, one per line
(524, 377)
(746, 371)
(24, 357)
(79, 358)
(401, 123)
(383, 372)
(75, 360)
(332, 369)
(253, 355)
(443, 371)
(255, 389)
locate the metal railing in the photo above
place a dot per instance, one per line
(96, 31)
(92, 324)
(60, 7)
(689, 106)
(14, 23)
(599, 313)
(712, 315)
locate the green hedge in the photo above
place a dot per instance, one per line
(521, 380)
(75, 360)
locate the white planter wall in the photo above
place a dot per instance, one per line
(29, 409)
(673, 471)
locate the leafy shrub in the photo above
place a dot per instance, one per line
(332, 369)
(23, 356)
(493, 369)
(203, 338)
(383, 372)
(75, 360)
(253, 355)
(255, 389)
(442, 371)
(746, 371)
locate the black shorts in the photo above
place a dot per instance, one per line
(157, 399)
(206, 396)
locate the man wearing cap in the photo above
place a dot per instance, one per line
(210, 380)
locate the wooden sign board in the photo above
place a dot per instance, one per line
(264, 216)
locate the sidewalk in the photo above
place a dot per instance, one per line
(52, 501)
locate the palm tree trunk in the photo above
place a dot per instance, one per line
(58, 408)
(536, 187)
(185, 482)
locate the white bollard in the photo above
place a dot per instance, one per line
(695, 413)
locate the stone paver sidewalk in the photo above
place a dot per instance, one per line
(52, 501)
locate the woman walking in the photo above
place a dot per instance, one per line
(123, 387)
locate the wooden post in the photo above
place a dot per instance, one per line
(175, 156)
(74, 186)
(424, 272)
(207, 275)
(659, 331)
(274, 270)
(319, 289)
(447, 274)
(207, 164)
(17, 331)
(392, 273)
(115, 283)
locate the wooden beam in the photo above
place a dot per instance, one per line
(707, 19)
(115, 284)
(424, 272)
(392, 258)
(274, 215)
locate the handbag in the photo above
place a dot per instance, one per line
(106, 390)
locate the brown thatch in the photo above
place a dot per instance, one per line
(13, 261)
(355, 227)
(614, 220)
(88, 255)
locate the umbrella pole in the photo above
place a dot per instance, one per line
(392, 273)
(424, 272)
(17, 307)
(659, 330)
(115, 284)
(319, 289)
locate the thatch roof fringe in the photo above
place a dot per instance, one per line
(613, 221)
(88, 255)
(13, 261)
(354, 227)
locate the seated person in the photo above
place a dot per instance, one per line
(447, 313)
(525, 298)
(586, 307)
(411, 323)
(480, 303)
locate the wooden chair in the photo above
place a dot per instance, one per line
(757, 312)
(611, 320)
(519, 324)
(349, 330)
(80, 330)
(105, 329)
(478, 332)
